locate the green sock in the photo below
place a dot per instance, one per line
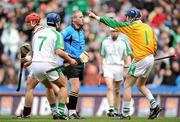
(61, 107)
(53, 107)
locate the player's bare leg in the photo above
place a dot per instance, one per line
(129, 82)
(109, 95)
(155, 108)
(55, 89)
(31, 84)
(62, 95)
(49, 91)
(116, 97)
(51, 98)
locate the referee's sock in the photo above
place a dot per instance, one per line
(26, 111)
(73, 97)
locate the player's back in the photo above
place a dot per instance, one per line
(142, 40)
(44, 44)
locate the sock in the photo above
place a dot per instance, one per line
(115, 110)
(126, 108)
(111, 108)
(53, 107)
(73, 97)
(151, 99)
(26, 111)
(61, 107)
(71, 112)
(153, 103)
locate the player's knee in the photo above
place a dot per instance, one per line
(76, 89)
(127, 85)
(116, 91)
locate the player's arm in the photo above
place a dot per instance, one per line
(127, 53)
(123, 27)
(65, 56)
(102, 54)
(59, 49)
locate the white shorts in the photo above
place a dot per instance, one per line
(113, 71)
(29, 68)
(141, 68)
(39, 70)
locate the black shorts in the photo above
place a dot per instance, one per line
(76, 71)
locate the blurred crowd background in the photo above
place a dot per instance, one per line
(162, 15)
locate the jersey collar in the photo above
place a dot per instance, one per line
(37, 29)
(78, 29)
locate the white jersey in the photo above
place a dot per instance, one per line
(44, 43)
(114, 52)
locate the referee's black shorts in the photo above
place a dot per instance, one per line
(76, 71)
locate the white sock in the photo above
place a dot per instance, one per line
(116, 110)
(72, 112)
(111, 108)
(151, 99)
(126, 108)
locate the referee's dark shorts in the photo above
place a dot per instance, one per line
(76, 71)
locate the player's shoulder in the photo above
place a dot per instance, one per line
(47, 30)
(107, 40)
(122, 41)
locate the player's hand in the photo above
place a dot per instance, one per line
(73, 62)
(91, 14)
(26, 64)
(28, 58)
(26, 61)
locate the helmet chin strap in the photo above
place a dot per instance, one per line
(133, 19)
(33, 25)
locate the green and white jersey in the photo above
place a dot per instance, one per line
(114, 52)
(44, 43)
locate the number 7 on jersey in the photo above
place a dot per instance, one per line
(43, 38)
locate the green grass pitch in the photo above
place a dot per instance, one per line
(88, 119)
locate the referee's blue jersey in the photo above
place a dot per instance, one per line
(74, 41)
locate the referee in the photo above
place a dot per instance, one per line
(74, 46)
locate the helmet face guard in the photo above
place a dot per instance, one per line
(53, 18)
(138, 13)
